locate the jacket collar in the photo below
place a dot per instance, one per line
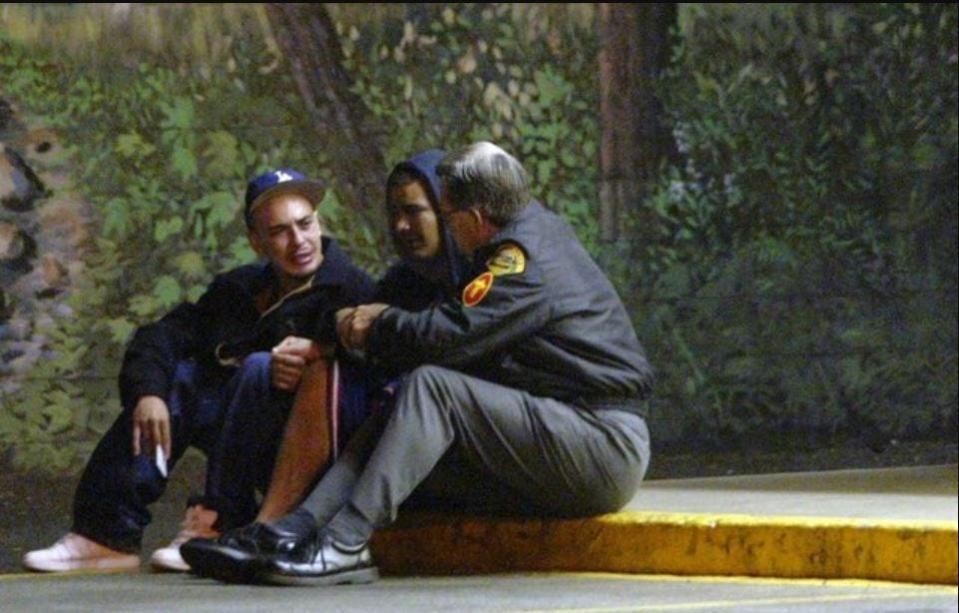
(336, 266)
(509, 231)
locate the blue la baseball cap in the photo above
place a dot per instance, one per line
(276, 182)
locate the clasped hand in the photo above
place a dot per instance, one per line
(289, 359)
(353, 324)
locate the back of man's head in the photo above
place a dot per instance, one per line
(485, 177)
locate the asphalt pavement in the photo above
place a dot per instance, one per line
(574, 593)
(828, 541)
(923, 493)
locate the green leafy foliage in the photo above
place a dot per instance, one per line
(453, 74)
(162, 155)
(163, 151)
(804, 274)
(802, 265)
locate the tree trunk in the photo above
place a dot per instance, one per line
(635, 46)
(342, 124)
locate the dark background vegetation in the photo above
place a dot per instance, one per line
(790, 259)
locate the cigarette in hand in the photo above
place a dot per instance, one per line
(161, 461)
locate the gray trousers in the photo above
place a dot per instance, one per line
(454, 441)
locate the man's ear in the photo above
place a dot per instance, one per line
(477, 217)
(486, 228)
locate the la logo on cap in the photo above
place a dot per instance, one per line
(282, 176)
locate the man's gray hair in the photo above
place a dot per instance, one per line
(485, 177)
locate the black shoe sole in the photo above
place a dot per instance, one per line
(354, 576)
(221, 563)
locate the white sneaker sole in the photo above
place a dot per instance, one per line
(162, 564)
(109, 565)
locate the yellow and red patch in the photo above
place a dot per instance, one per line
(508, 260)
(474, 293)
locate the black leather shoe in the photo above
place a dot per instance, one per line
(322, 561)
(236, 555)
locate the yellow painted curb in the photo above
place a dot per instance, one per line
(675, 543)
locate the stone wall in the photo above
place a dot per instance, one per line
(43, 230)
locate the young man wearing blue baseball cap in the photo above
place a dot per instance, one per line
(222, 369)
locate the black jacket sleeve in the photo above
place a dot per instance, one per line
(151, 357)
(457, 335)
(360, 289)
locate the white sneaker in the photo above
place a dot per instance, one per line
(75, 552)
(198, 523)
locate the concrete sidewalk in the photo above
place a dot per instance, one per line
(888, 524)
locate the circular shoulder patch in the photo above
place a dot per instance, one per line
(508, 260)
(477, 289)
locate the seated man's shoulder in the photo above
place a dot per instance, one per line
(401, 286)
(508, 258)
(243, 275)
(338, 262)
(398, 272)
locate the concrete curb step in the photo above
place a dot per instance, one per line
(675, 543)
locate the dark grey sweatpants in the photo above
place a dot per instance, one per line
(462, 442)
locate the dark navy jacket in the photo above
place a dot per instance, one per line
(555, 328)
(225, 325)
(402, 286)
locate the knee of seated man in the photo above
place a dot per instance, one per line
(426, 382)
(427, 377)
(256, 365)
